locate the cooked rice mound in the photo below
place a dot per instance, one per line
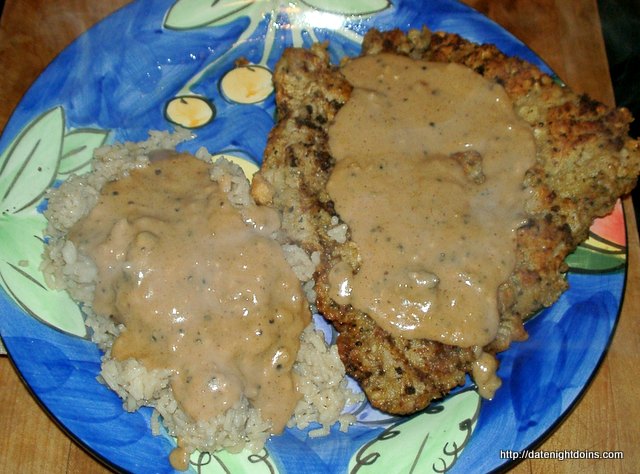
(321, 373)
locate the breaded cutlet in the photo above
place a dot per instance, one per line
(584, 162)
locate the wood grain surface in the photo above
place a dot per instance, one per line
(564, 33)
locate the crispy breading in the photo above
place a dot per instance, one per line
(584, 162)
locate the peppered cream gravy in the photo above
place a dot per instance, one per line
(430, 160)
(201, 289)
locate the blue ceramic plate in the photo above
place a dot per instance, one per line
(157, 63)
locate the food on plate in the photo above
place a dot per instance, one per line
(194, 302)
(443, 184)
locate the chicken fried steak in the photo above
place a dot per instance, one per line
(583, 161)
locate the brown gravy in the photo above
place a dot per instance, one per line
(201, 289)
(430, 160)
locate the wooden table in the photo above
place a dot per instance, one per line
(565, 33)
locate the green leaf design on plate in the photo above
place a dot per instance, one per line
(21, 250)
(593, 260)
(77, 150)
(189, 14)
(351, 7)
(429, 442)
(223, 462)
(29, 165)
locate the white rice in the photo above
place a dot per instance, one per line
(322, 381)
(339, 231)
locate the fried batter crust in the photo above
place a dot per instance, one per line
(585, 161)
